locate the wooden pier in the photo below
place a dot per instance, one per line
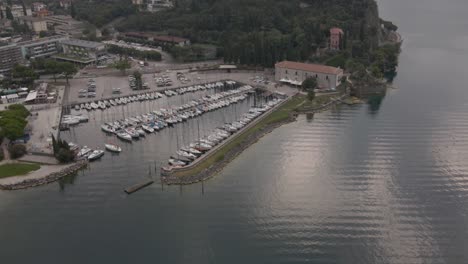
(137, 187)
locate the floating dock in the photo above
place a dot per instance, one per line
(137, 187)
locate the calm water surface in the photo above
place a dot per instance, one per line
(381, 183)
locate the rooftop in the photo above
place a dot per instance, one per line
(82, 43)
(336, 30)
(156, 37)
(309, 67)
(41, 40)
(31, 19)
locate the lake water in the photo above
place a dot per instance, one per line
(379, 183)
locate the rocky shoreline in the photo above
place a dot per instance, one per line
(28, 183)
(228, 157)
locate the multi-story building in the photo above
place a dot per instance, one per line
(65, 25)
(35, 24)
(38, 6)
(336, 35)
(296, 72)
(81, 51)
(16, 10)
(43, 47)
(10, 55)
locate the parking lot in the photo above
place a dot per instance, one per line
(164, 80)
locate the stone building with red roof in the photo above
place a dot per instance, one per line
(296, 72)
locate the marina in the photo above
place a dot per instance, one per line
(194, 119)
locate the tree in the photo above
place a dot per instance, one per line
(12, 129)
(138, 81)
(52, 67)
(42, 34)
(309, 83)
(310, 94)
(9, 15)
(24, 8)
(24, 74)
(17, 151)
(62, 151)
(72, 10)
(68, 69)
(122, 65)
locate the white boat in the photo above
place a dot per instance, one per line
(147, 128)
(71, 121)
(132, 133)
(113, 148)
(83, 151)
(176, 162)
(73, 146)
(186, 155)
(95, 154)
(82, 118)
(102, 105)
(124, 136)
(140, 132)
(77, 107)
(94, 105)
(107, 128)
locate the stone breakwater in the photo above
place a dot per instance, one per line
(52, 177)
(228, 157)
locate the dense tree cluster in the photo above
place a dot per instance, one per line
(24, 75)
(263, 32)
(122, 65)
(51, 66)
(102, 12)
(13, 121)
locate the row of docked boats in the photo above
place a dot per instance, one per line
(136, 127)
(104, 104)
(90, 154)
(195, 88)
(72, 120)
(187, 154)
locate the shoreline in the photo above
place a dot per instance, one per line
(45, 175)
(232, 153)
(228, 157)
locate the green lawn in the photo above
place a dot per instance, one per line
(277, 116)
(16, 169)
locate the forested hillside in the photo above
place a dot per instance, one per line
(265, 31)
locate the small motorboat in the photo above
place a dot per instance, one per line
(113, 148)
(73, 146)
(96, 154)
(83, 151)
(107, 128)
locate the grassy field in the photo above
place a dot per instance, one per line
(280, 114)
(317, 102)
(16, 169)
